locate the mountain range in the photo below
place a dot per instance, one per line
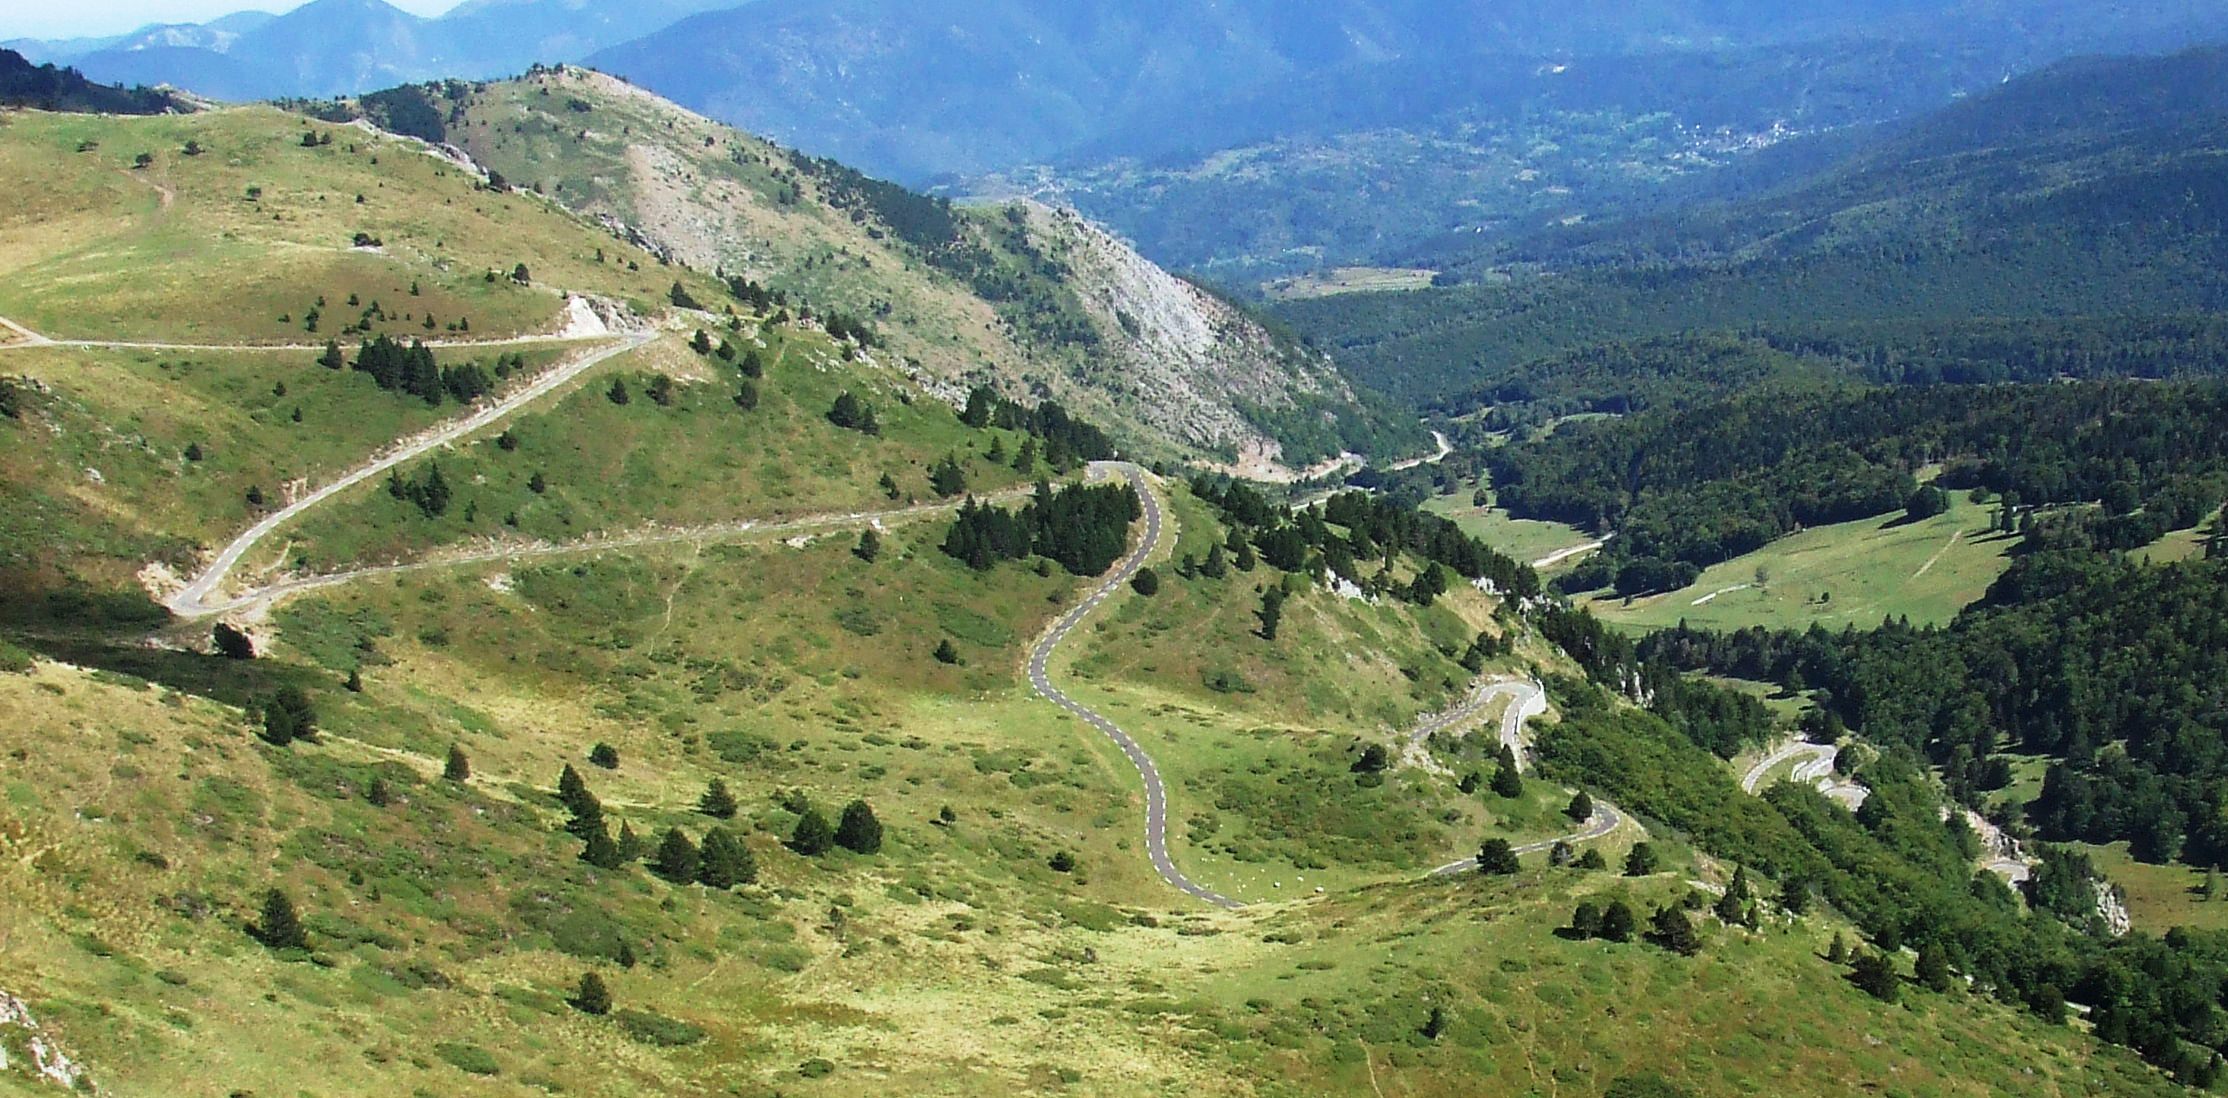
(1383, 123)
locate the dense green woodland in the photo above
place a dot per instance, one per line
(2116, 671)
(1689, 488)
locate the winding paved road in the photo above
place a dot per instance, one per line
(1040, 677)
(1528, 700)
(195, 599)
(1604, 820)
(1815, 769)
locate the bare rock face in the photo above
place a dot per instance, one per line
(1195, 361)
(36, 1052)
(1173, 367)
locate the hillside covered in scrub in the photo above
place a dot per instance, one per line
(572, 599)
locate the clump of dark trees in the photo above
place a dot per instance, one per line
(1082, 528)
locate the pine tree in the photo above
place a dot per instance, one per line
(1146, 582)
(1730, 909)
(946, 478)
(287, 716)
(592, 997)
(605, 756)
(458, 768)
(281, 925)
(677, 858)
(1436, 1024)
(725, 861)
(945, 653)
(980, 402)
(1672, 930)
(1591, 859)
(1498, 858)
(812, 836)
(858, 831)
(1507, 783)
(618, 394)
(869, 548)
(1272, 612)
(572, 792)
(1933, 970)
(332, 359)
(378, 794)
(717, 802)
(599, 849)
(1618, 922)
(1581, 807)
(355, 683)
(1585, 922)
(1875, 974)
(1838, 952)
(1641, 862)
(1794, 895)
(630, 845)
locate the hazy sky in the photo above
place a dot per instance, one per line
(45, 19)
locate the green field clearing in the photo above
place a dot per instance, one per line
(2180, 545)
(1526, 540)
(1855, 573)
(2159, 897)
(1349, 280)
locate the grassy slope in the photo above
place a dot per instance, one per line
(142, 822)
(114, 428)
(939, 978)
(699, 460)
(1524, 539)
(1873, 569)
(95, 250)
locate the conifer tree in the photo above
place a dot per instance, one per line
(812, 836)
(725, 861)
(378, 794)
(280, 926)
(629, 844)
(1641, 862)
(677, 858)
(599, 849)
(1585, 923)
(1875, 974)
(591, 996)
(1933, 970)
(1498, 858)
(1507, 783)
(858, 831)
(1581, 808)
(1618, 922)
(717, 802)
(231, 643)
(332, 359)
(1591, 859)
(1838, 952)
(1672, 930)
(869, 548)
(945, 653)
